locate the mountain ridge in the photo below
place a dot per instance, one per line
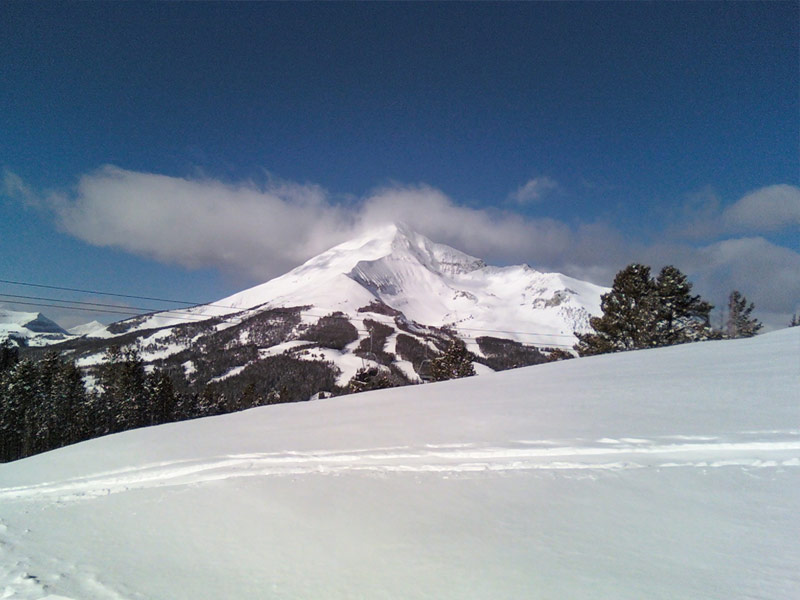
(29, 328)
(389, 299)
(408, 272)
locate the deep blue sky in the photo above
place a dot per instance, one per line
(635, 110)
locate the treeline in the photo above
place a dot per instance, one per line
(45, 405)
(642, 311)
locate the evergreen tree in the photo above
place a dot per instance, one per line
(642, 312)
(210, 403)
(453, 363)
(17, 408)
(122, 380)
(740, 323)
(9, 356)
(45, 407)
(371, 378)
(680, 316)
(557, 354)
(161, 399)
(795, 321)
(629, 315)
(60, 403)
(73, 407)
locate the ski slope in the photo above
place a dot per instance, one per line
(669, 473)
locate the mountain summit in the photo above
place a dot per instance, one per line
(429, 283)
(390, 299)
(29, 328)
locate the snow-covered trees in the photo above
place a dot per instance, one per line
(740, 323)
(161, 399)
(122, 378)
(642, 312)
(454, 362)
(43, 405)
(372, 378)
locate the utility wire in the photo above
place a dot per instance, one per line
(176, 313)
(103, 304)
(69, 289)
(362, 331)
(127, 310)
(104, 311)
(94, 310)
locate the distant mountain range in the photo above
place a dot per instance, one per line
(390, 298)
(29, 328)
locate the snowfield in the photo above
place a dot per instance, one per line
(660, 474)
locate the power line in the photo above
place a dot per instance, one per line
(69, 289)
(94, 310)
(363, 331)
(127, 310)
(188, 316)
(103, 304)
(105, 311)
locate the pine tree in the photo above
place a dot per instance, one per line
(73, 404)
(629, 315)
(17, 408)
(740, 323)
(122, 380)
(680, 316)
(46, 410)
(60, 402)
(9, 356)
(453, 363)
(210, 403)
(161, 399)
(640, 312)
(795, 321)
(371, 378)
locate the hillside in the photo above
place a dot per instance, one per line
(669, 473)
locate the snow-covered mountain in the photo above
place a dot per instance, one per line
(88, 329)
(388, 283)
(30, 328)
(429, 283)
(666, 473)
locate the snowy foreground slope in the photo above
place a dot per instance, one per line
(671, 473)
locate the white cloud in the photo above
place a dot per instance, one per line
(767, 274)
(767, 209)
(202, 222)
(534, 190)
(14, 187)
(262, 231)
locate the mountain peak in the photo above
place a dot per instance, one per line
(427, 282)
(400, 241)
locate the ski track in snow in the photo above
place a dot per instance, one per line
(605, 454)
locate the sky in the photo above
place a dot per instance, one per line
(190, 150)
